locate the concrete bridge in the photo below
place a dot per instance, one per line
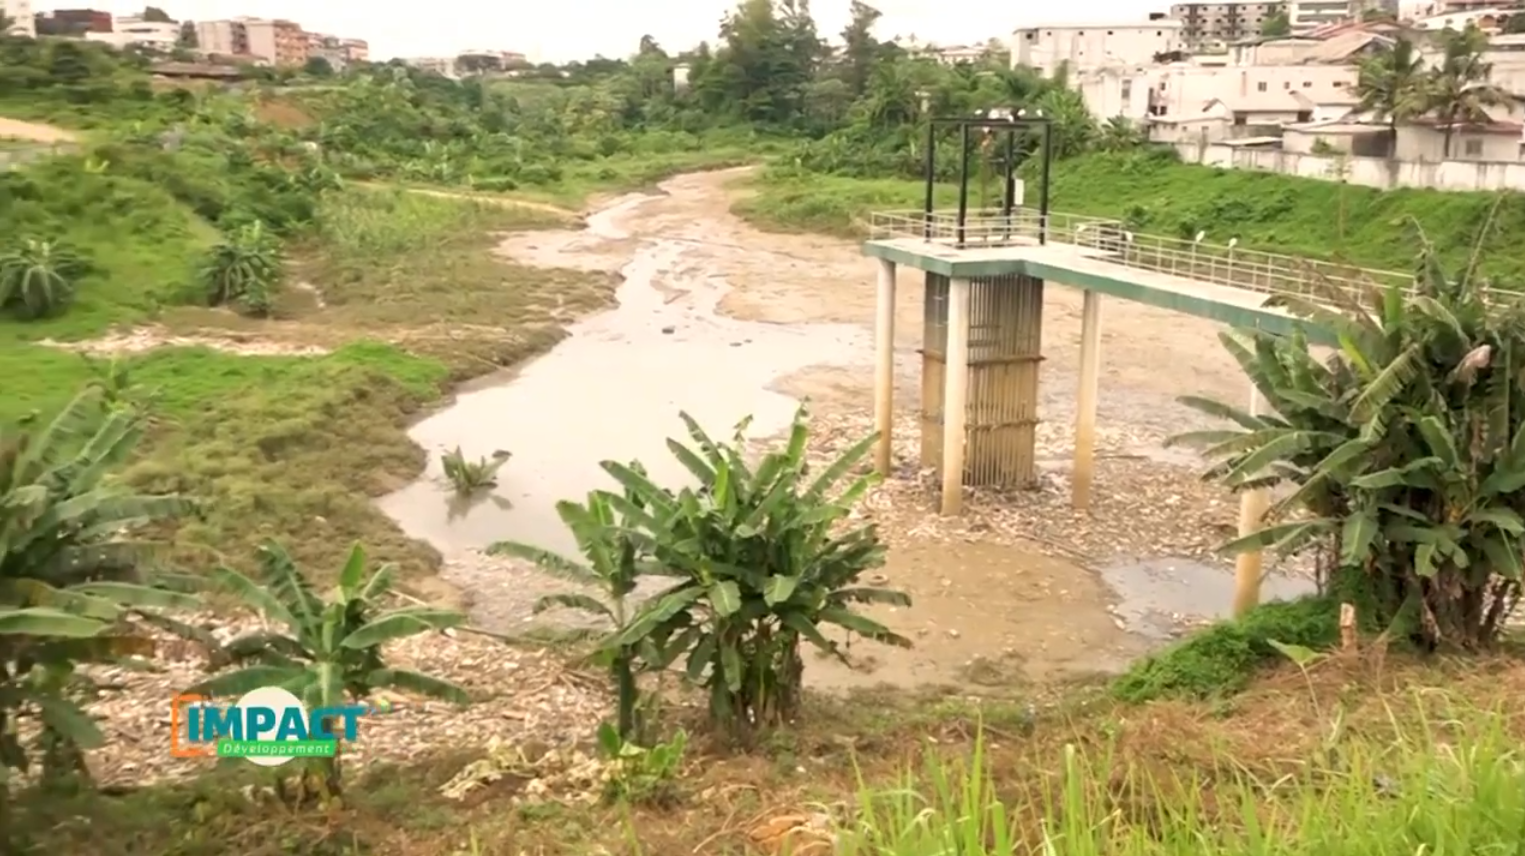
(983, 316)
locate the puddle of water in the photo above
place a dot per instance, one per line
(1155, 593)
(612, 390)
(985, 614)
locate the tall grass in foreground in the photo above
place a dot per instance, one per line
(1424, 793)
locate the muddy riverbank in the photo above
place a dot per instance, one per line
(724, 321)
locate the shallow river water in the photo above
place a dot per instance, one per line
(612, 391)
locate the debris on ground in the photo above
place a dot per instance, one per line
(525, 696)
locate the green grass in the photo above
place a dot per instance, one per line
(1369, 799)
(1267, 211)
(292, 447)
(144, 246)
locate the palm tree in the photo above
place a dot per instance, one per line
(1458, 91)
(1391, 86)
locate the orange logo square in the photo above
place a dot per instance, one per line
(178, 746)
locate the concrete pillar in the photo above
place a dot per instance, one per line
(1252, 509)
(1085, 401)
(956, 397)
(884, 367)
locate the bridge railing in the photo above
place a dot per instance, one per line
(1109, 240)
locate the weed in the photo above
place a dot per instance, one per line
(1222, 658)
(641, 775)
(468, 477)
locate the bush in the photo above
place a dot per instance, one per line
(1222, 659)
(38, 278)
(244, 270)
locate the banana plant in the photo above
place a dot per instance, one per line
(326, 652)
(1403, 453)
(38, 278)
(72, 585)
(613, 566)
(763, 563)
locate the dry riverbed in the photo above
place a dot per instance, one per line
(723, 320)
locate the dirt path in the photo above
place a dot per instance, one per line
(15, 129)
(1009, 591)
(486, 199)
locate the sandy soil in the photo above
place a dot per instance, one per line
(16, 129)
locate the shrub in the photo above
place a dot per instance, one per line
(244, 270)
(38, 278)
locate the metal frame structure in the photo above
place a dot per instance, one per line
(1008, 195)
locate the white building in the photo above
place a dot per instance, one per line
(1185, 102)
(19, 13)
(133, 31)
(1083, 47)
(441, 65)
(1305, 16)
(1489, 20)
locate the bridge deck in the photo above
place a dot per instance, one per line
(1067, 264)
(1218, 282)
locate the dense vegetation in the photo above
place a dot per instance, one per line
(177, 206)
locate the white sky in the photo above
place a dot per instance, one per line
(561, 30)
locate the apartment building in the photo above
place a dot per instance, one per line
(1203, 23)
(263, 40)
(1305, 16)
(356, 50)
(223, 38)
(22, 21)
(1246, 94)
(131, 31)
(1093, 46)
(1489, 19)
(479, 60)
(441, 65)
(73, 23)
(338, 53)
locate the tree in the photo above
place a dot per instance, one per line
(1276, 26)
(861, 51)
(1403, 454)
(1457, 92)
(318, 67)
(1514, 25)
(188, 40)
(156, 15)
(1392, 87)
(327, 652)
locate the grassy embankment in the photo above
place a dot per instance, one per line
(1297, 216)
(288, 446)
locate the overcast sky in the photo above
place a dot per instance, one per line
(560, 30)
